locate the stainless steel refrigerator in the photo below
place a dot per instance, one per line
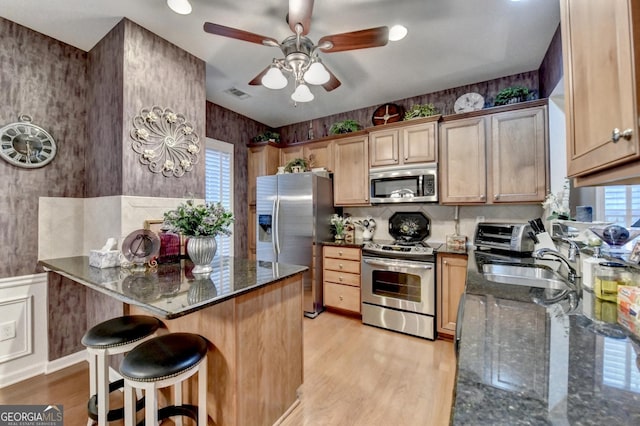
(293, 212)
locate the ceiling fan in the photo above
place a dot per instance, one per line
(301, 58)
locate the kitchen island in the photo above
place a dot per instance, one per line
(522, 361)
(250, 311)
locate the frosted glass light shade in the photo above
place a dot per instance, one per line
(316, 74)
(274, 79)
(183, 7)
(302, 94)
(397, 32)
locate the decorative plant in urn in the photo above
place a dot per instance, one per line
(201, 224)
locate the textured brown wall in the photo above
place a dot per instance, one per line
(551, 69)
(228, 126)
(157, 72)
(443, 101)
(104, 123)
(45, 79)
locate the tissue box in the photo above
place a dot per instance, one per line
(104, 259)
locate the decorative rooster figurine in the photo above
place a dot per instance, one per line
(368, 226)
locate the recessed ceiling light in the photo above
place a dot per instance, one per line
(183, 7)
(397, 32)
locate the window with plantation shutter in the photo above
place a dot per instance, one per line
(619, 204)
(219, 184)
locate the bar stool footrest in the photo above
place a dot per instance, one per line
(187, 410)
(116, 413)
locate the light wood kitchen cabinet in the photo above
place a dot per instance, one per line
(404, 144)
(601, 90)
(351, 174)
(262, 160)
(289, 153)
(500, 157)
(452, 277)
(320, 154)
(341, 277)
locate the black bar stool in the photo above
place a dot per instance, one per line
(164, 361)
(115, 336)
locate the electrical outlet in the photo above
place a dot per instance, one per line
(7, 330)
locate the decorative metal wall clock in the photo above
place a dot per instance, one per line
(165, 141)
(24, 144)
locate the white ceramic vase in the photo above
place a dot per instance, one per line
(201, 251)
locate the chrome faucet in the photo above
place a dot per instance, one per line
(572, 274)
(574, 249)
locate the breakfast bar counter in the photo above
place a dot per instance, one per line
(250, 311)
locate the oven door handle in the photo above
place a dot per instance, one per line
(395, 263)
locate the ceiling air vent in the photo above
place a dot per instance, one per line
(237, 93)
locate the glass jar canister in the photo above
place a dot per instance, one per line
(609, 275)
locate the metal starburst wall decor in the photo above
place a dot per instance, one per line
(165, 141)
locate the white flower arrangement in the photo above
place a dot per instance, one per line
(339, 223)
(558, 204)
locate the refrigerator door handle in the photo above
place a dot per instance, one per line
(276, 227)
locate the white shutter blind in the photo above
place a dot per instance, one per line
(619, 365)
(620, 204)
(219, 184)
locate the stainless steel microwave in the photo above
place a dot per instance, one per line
(404, 184)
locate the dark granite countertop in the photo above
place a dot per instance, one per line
(171, 290)
(522, 363)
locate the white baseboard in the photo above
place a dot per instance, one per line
(10, 378)
(64, 362)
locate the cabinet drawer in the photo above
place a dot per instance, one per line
(342, 296)
(341, 265)
(350, 253)
(342, 277)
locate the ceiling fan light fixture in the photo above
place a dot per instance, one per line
(317, 74)
(274, 79)
(397, 32)
(302, 94)
(182, 7)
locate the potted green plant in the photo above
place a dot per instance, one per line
(267, 135)
(297, 165)
(345, 126)
(511, 95)
(417, 111)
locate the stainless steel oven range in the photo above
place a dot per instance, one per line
(398, 278)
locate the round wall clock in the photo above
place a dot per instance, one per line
(469, 102)
(24, 144)
(387, 113)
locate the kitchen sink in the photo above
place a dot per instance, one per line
(532, 276)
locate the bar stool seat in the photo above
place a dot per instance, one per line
(165, 361)
(111, 337)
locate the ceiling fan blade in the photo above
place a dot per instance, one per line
(257, 80)
(221, 30)
(300, 13)
(333, 82)
(373, 37)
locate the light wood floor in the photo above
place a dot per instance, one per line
(353, 375)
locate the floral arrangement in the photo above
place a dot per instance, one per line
(558, 204)
(339, 223)
(208, 219)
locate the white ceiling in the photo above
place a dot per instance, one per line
(450, 43)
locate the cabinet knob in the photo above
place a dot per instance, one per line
(482, 197)
(616, 134)
(340, 252)
(340, 278)
(444, 262)
(340, 266)
(496, 197)
(341, 298)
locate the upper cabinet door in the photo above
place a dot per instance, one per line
(351, 174)
(600, 84)
(463, 161)
(384, 148)
(419, 143)
(519, 166)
